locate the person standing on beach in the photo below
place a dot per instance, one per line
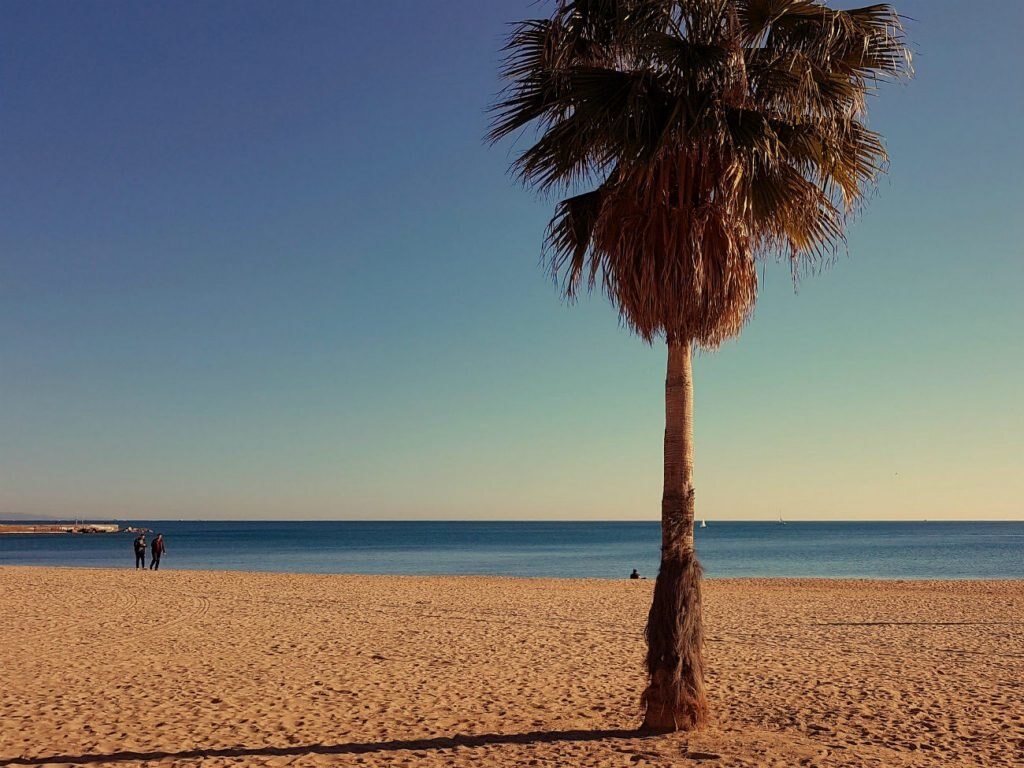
(158, 549)
(140, 551)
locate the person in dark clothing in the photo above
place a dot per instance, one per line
(140, 551)
(634, 574)
(157, 549)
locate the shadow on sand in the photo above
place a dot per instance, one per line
(351, 748)
(918, 624)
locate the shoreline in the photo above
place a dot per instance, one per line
(899, 552)
(168, 567)
(218, 668)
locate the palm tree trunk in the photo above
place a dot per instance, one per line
(675, 697)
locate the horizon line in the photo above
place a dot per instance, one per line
(25, 520)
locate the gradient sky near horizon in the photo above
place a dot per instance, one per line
(256, 261)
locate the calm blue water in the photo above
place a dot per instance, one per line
(937, 550)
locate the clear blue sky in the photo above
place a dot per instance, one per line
(256, 261)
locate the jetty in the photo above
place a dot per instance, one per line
(79, 527)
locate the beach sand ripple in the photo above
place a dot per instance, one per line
(126, 668)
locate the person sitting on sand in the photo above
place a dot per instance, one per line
(140, 551)
(158, 549)
(634, 574)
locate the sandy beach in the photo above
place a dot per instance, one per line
(126, 668)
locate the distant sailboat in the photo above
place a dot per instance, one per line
(703, 523)
(781, 521)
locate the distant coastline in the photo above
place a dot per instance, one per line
(58, 528)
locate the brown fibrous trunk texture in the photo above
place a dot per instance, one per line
(675, 698)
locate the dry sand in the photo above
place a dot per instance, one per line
(126, 668)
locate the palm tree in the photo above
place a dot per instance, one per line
(693, 138)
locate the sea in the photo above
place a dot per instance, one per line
(601, 550)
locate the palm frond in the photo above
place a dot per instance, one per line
(568, 242)
(711, 133)
(611, 117)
